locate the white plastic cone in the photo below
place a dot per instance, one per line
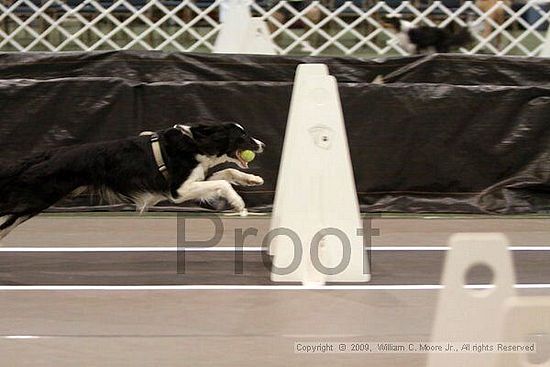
(316, 187)
(545, 50)
(470, 315)
(241, 33)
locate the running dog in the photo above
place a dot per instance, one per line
(171, 164)
(416, 40)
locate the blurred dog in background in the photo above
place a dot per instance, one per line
(425, 39)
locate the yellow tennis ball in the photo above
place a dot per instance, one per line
(247, 155)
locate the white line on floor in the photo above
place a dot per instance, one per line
(248, 287)
(230, 249)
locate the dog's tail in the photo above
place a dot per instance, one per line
(10, 171)
(13, 208)
(11, 178)
(459, 38)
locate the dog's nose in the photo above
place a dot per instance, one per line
(260, 144)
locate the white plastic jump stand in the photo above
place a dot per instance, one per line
(545, 50)
(526, 320)
(241, 33)
(472, 315)
(316, 189)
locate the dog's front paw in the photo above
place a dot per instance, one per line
(253, 180)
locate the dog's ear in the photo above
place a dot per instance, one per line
(178, 140)
(210, 139)
(202, 131)
(184, 129)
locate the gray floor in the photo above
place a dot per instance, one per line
(113, 230)
(250, 323)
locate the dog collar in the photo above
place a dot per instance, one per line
(157, 153)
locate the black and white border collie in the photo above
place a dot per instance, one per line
(422, 39)
(171, 164)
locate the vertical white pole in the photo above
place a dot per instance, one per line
(316, 197)
(545, 51)
(240, 33)
(472, 315)
(526, 320)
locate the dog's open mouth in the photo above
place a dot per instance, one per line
(242, 162)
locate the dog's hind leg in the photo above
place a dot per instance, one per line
(12, 221)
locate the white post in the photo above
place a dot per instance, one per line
(526, 320)
(316, 197)
(472, 315)
(241, 33)
(545, 50)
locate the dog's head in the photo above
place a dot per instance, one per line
(223, 141)
(392, 23)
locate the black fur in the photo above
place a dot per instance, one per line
(125, 167)
(392, 22)
(442, 40)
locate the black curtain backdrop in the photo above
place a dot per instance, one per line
(446, 133)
